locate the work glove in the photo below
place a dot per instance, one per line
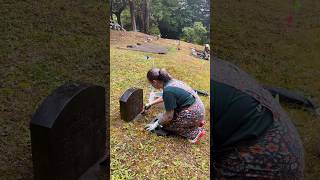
(152, 126)
(154, 123)
(145, 108)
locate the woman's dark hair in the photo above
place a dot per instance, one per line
(158, 74)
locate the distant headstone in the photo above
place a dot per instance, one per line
(68, 132)
(131, 103)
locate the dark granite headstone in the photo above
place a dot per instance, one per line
(131, 103)
(68, 132)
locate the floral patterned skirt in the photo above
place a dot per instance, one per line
(186, 122)
(275, 155)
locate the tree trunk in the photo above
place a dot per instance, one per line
(146, 15)
(119, 6)
(111, 10)
(142, 25)
(138, 22)
(133, 15)
(119, 18)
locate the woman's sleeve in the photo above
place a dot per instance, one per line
(170, 101)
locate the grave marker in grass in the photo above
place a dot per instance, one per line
(131, 104)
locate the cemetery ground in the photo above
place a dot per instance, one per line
(43, 45)
(256, 36)
(135, 153)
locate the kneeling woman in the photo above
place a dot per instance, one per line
(184, 110)
(253, 137)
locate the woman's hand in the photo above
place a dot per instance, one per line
(152, 126)
(148, 105)
(145, 108)
(154, 123)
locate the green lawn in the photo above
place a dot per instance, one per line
(255, 36)
(134, 151)
(43, 44)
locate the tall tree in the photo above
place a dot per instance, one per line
(143, 15)
(133, 15)
(168, 17)
(172, 16)
(140, 15)
(146, 14)
(117, 6)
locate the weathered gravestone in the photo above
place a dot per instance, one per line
(131, 103)
(68, 132)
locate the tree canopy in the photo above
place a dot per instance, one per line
(170, 18)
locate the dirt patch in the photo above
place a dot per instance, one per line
(151, 48)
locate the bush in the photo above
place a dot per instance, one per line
(126, 19)
(154, 30)
(195, 34)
